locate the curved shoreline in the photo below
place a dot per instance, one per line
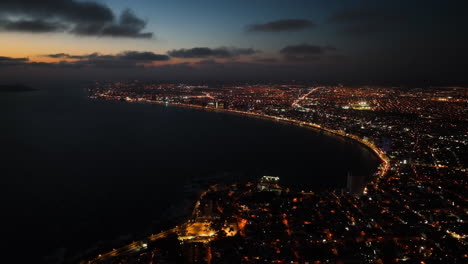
(381, 170)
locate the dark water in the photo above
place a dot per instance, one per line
(79, 173)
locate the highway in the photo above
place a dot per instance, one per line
(296, 103)
(133, 247)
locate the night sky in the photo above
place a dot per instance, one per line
(331, 41)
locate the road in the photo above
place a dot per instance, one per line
(133, 247)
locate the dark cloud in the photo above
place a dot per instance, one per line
(207, 62)
(137, 56)
(128, 26)
(68, 10)
(362, 22)
(142, 56)
(266, 60)
(81, 18)
(283, 25)
(68, 56)
(33, 26)
(126, 59)
(306, 49)
(338, 70)
(203, 52)
(305, 52)
(9, 59)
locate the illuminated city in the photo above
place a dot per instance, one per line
(412, 211)
(227, 132)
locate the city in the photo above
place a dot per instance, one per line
(265, 131)
(412, 210)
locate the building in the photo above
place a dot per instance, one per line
(269, 184)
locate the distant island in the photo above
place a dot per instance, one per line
(13, 88)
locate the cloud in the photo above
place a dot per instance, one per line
(283, 25)
(128, 26)
(143, 56)
(207, 62)
(124, 59)
(68, 10)
(32, 26)
(9, 61)
(363, 22)
(306, 49)
(265, 60)
(68, 56)
(140, 56)
(305, 52)
(72, 16)
(203, 52)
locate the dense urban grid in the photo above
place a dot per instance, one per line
(414, 209)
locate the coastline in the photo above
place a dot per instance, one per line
(382, 169)
(385, 161)
(381, 172)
